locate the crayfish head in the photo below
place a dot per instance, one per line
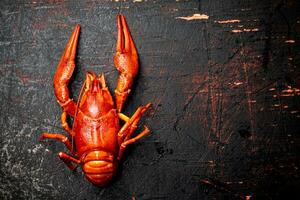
(99, 167)
(96, 99)
(93, 83)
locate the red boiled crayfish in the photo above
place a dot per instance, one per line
(99, 140)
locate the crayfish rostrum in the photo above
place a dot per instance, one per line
(98, 139)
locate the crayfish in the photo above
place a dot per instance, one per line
(98, 139)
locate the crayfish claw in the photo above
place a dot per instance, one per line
(64, 72)
(126, 61)
(70, 51)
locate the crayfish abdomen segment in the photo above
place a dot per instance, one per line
(99, 172)
(99, 167)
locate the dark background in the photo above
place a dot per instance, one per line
(225, 120)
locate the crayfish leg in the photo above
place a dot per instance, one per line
(59, 137)
(131, 124)
(123, 146)
(123, 117)
(68, 160)
(65, 124)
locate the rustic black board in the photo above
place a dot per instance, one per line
(225, 120)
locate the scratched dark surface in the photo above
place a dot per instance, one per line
(225, 121)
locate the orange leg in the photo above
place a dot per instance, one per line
(131, 122)
(65, 124)
(133, 127)
(123, 117)
(58, 137)
(68, 160)
(145, 132)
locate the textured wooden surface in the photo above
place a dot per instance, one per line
(225, 87)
